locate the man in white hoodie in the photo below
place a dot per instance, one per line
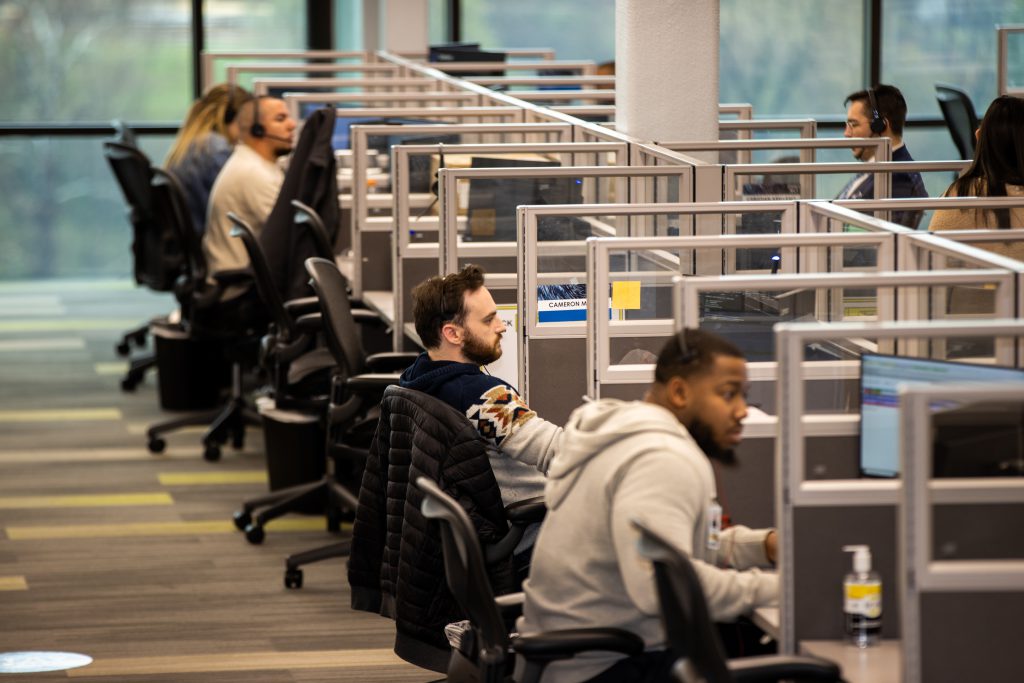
(646, 460)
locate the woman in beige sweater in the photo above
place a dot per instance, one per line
(997, 171)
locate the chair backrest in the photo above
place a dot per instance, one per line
(307, 218)
(340, 328)
(961, 119)
(261, 274)
(160, 254)
(689, 630)
(124, 133)
(465, 570)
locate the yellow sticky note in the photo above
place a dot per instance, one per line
(626, 295)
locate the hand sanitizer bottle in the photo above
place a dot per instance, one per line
(862, 599)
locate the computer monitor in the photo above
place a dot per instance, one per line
(979, 440)
(880, 379)
(465, 52)
(747, 319)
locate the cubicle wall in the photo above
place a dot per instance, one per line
(208, 59)
(973, 578)
(369, 232)
(817, 516)
(1005, 33)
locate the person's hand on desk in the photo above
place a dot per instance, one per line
(771, 545)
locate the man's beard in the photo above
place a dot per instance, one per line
(701, 433)
(479, 352)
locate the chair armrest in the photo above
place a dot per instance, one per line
(366, 315)
(526, 511)
(302, 306)
(371, 381)
(232, 277)
(783, 667)
(390, 361)
(510, 605)
(311, 322)
(553, 645)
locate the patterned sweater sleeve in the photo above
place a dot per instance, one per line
(502, 416)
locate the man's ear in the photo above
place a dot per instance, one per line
(677, 392)
(451, 333)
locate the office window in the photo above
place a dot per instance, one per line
(93, 60)
(575, 29)
(253, 25)
(792, 57)
(946, 41)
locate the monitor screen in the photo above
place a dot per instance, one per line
(880, 379)
(465, 52)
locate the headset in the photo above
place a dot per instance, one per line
(257, 129)
(877, 123)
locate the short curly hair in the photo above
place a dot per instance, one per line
(438, 300)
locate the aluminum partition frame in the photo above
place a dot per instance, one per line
(372, 85)
(530, 250)
(208, 57)
(928, 203)
(597, 95)
(362, 222)
(806, 146)
(627, 185)
(920, 572)
(1003, 32)
(790, 463)
(742, 110)
(514, 52)
(601, 371)
(886, 304)
(508, 82)
(383, 70)
(503, 114)
(584, 66)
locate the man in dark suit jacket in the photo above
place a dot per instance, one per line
(876, 112)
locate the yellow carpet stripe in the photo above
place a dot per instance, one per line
(239, 661)
(67, 324)
(13, 583)
(24, 533)
(188, 452)
(85, 500)
(212, 478)
(115, 368)
(61, 415)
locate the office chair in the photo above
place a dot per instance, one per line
(692, 635)
(961, 118)
(306, 217)
(235, 325)
(486, 652)
(357, 382)
(157, 258)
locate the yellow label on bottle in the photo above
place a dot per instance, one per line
(864, 599)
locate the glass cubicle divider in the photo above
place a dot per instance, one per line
(418, 84)
(209, 58)
(1004, 78)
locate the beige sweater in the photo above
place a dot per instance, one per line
(971, 219)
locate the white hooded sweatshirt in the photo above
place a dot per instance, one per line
(620, 461)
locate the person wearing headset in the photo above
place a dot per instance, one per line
(249, 183)
(881, 111)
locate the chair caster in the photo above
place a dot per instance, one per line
(140, 338)
(211, 453)
(254, 534)
(242, 519)
(156, 445)
(293, 578)
(123, 348)
(238, 440)
(128, 384)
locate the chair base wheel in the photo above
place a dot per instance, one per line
(242, 519)
(123, 349)
(254, 534)
(211, 453)
(156, 445)
(293, 578)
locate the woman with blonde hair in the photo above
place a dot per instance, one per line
(203, 144)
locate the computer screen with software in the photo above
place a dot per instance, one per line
(880, 379)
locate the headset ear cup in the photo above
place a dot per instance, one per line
(257, 130)
(877, 124)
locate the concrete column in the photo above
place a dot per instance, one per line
(666, 69)
(404, 25)
(371, 25)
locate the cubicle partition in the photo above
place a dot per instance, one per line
(1003, 76)
(364, 70)
(368, 234)
(208, 58)
(417, 84)
(824, 501)
(511, 84)
(962, 460)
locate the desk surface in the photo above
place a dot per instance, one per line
(767, 619)
(882, 663)
(381, 301)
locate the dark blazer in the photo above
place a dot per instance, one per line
(312, 179)
(396, 566)
(904, 185)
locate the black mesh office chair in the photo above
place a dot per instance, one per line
(357, 383)
(306, 217)
(692, 635)
(485, 652)
(961, 118)
(236, 325)
(156, 255)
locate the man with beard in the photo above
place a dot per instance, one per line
(648, 460)
(458, 325)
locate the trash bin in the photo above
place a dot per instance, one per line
(191, 374)
(294, 444)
